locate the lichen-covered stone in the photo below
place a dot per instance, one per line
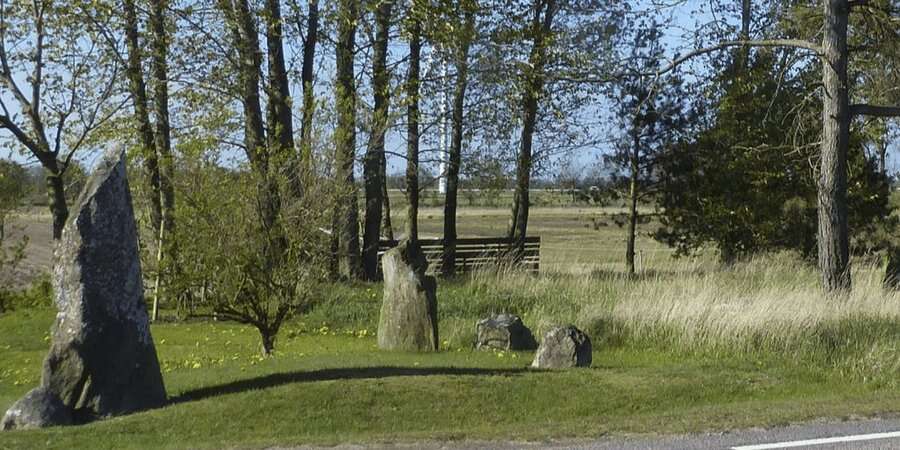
(102, 361)
(504, 332)
(408, 320)
(39, 408)
(563, 347)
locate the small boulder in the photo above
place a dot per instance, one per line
(37, 409)
(563, 347)
(504, 332)
(408, 320)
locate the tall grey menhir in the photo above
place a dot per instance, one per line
(102, 360)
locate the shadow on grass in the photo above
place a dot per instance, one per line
(279, 379)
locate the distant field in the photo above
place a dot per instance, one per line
(574, 238)
(35, 225)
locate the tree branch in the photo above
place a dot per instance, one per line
(874, 110)
(790, 43)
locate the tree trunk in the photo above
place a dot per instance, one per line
(541, 28)
(306, 77)
(345, 140)
(632, 204)
(448, 263)
(387, 226)
(168, 262)
(373, 167)
(746, 11)
(279, 116)
(834, 260)
(250, 65)
(141, 114)
(56, 193)
(412, 132)
(267, 338)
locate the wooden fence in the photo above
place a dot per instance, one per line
(472, 253)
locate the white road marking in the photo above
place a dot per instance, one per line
(823, 441)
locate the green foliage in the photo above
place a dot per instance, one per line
(39, 295)
(746, 183)
(236, 266)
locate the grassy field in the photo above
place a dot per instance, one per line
(327, 386)
(686, 346)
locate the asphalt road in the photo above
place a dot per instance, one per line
(869, 434)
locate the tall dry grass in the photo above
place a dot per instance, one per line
(771, 306)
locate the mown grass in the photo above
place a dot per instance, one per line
(327, 386)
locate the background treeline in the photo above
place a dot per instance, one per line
(261, 131)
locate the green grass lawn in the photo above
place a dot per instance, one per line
(329, 386)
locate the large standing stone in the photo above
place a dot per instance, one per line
(102, 360)
(563, 347)
(504, 332)
(408, 319)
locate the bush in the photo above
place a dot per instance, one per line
(38, 295)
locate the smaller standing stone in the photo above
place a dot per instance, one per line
(408, 320)
(891, 280)
(37, 409)
(504, 332)
(563, 347)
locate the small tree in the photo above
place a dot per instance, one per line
(651, 119)
(57, 85)
(226, 257)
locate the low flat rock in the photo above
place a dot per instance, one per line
(39, 408)
(563, 347)
(504, 332)
(408, 320)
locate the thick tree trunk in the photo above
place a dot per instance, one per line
(306, 78)
(279, 116)
(345, 140)
(56, 194)
(534, 78)
(448, 263)
(138, 90)
(373, 167)
(412, 133)
(834, 254)
(387, 226)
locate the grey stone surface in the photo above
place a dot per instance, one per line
(504, 332)
(408, 320)
(563, 347)
(37, 409)
(102, 361)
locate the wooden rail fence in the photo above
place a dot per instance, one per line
(472, 253)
